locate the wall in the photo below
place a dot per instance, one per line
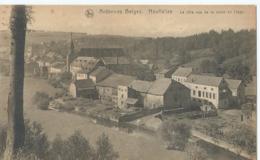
(80, 76)
(205, 93)
(153, 101)
(122, 96)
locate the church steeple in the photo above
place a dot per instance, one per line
(70, 54)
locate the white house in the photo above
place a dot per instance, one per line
(181, 75)
(209, 89)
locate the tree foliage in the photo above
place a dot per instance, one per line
(175, 134)
(244, 137)
(41, 100)
(105, 149)
(195, 152)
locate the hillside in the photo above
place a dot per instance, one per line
(226, 48)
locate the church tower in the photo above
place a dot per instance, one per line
(70, 54)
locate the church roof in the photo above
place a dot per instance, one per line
(101, 52)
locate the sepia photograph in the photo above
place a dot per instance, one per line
(128, 82)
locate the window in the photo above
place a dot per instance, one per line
(194, 92)
(199, 93)
(122, 96)
(203, 94)
(213, 95)
(205, 87)
(212, 89)
(196, 87)
(209, 95)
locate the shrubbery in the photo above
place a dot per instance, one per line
(37, 146)
(175, 134)
(41, 100)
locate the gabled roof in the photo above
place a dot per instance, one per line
(101, 52)
(141, 86)
(115, 60)
(84, 84)
(115, 80)
(100, 73)
(204, 80)
(183, 72)
(233, 83)
(86, 61)
(160, 86)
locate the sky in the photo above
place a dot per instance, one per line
(154, 21)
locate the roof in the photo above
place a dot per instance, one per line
(86, 61)
(84, 84)
(115, 60)
(160, 86)
(141, 86)
(100, 73)
(183, 72)
(233, 83)
(115, 80)
(131, 100)
(204, 80)
(101, 52)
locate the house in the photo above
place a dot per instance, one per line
(238, 90)
(209, 89)
(109, 87)
(86, 64)
(159, 94)
(181, 74)
(139, 90)
(81, 74)
(83, 88)
(165, 73)
(99, 73)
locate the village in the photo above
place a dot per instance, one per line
(95, 83)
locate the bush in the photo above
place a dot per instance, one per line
(244, 137)
(36, 145)
(105, 149)
(175, 134)
(195, 152)
(41, 100)
(75, 147)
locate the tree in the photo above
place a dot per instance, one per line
(16, 128)
(208, 66)
(36, 144)
(175, 134)
(77, 147)
(105, 149)
(239, 71)
(244, 137)
(195, 152)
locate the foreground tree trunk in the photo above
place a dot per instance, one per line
(16, 130)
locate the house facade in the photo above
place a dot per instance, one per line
(159, 94)
(182, 74)
(113, 89)
(83, 88)
(209, 89)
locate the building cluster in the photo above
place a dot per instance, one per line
(218, 91)
(93, 77)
